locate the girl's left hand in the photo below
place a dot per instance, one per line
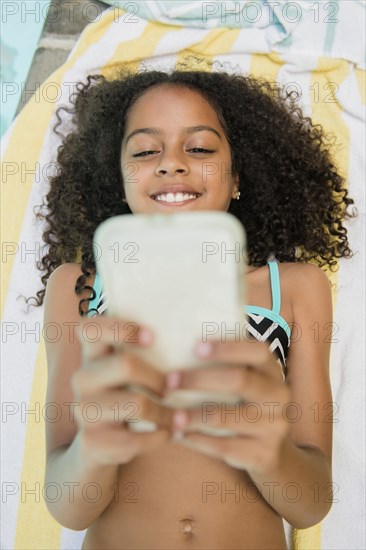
(259, 420)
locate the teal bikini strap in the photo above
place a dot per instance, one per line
(275, 286)
(274, 313)
(98, 289)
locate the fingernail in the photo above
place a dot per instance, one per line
(145, 336)
(180, 419)
(173, 380)
(179, 434)
(204, 349)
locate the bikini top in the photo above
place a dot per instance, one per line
(266, 325)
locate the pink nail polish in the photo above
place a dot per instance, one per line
(173, 380)
(145, 337)
(204, 349)
(180, 419)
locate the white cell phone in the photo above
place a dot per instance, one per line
(183, 275)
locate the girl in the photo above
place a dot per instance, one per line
(158, 142)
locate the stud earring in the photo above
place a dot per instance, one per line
(237, 195)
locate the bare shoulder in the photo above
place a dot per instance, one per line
(302, 283)
(61, 300)
(60, 289)
(298, 275)
(67, 272)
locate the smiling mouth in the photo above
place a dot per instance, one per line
(175, 199)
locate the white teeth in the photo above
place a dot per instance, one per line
(175, 197)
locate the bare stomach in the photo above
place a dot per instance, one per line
(177, 498)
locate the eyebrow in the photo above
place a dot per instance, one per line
(157, 132)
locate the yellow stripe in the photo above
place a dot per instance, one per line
(35, 526)
(43, 532)
(215, 42)
(266, 65)
(307, 539)
(131, 53)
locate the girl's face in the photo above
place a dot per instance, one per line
(174, 143)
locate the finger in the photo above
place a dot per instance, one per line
(115, 407)
(249, 454)
(144, 443)
(100, 335)
(118, 445)
(248, 384)
(208, 445)
(250, 419)
(247, 353)
(117, 369)
(239, 452)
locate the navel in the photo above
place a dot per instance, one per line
(186, 525)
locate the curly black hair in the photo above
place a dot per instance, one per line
(293, 199)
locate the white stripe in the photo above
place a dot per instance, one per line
(60, 42)
(277, 344)
(186, 37)
(71, 540)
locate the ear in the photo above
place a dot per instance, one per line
(236, 186)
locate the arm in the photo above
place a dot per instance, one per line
(299, 488)
(67, 463)
(86, 488)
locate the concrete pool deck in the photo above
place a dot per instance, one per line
(62, 27)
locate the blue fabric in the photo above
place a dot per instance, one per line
(21, 28)
(218, 13)
(98, 291)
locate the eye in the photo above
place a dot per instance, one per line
(197, 149)
(202, 150)
(144, 153)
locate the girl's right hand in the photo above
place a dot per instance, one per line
(103, 399)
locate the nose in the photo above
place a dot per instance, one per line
(171, 163)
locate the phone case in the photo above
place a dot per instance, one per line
(183, 276)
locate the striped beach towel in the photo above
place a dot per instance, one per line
(332, 91)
